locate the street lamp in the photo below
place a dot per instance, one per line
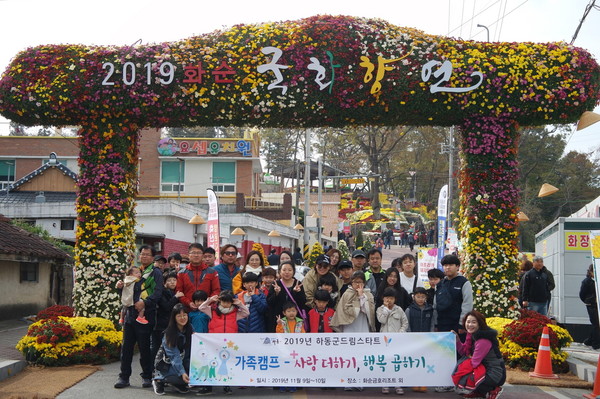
(487, 30)
(196, 220)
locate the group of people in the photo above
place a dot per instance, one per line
(161, 310)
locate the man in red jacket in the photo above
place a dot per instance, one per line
(197, 276)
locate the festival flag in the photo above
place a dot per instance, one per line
(213, 236)
(442, 215)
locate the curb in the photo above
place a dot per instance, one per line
(9, 368)
(583, 365)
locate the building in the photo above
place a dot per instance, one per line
(174, 175)
(33, 272)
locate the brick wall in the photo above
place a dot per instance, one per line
(170, 246)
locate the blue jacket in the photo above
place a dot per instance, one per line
(178, 355)
(225, 277)
(199, 321)
(419, 320)
(255, 322)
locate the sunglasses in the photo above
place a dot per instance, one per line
(229, 253)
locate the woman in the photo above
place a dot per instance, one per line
(392, 279)
(311, 280)
(255, 263)
(479, 349)
(335, 257)
(173, 359)
(287, 288)
(587, 294)
(285, 256)
(356, 309)
(408, 278)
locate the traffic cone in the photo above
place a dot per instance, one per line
(543, 363)
(596, 392)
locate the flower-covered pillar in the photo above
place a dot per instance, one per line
(107, 187)
(488, 212)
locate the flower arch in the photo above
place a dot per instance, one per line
(318, 71)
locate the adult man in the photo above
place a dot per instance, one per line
(160, 262)
(374, 274)
(358, 260)
(389, 235)
(152, 287)
(209, 257)
(537, 286)
(197, 276)
(454, 297)
(228, 268)
(345, 269)
(273, 258)
(453, 300)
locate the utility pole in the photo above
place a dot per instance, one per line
(306, 187)
(320, 198)
(449, 149)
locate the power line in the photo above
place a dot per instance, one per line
(588, 8)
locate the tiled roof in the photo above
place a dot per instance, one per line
(14, 240)
(29, 196)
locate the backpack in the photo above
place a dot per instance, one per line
(443, 298)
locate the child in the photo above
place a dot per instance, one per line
(328, 283)
(435, 276)
(224, 311)
(256, 302)
(356, 309)
(199, 320)
(320, 315)
(392, 319)
(165, 305)
(289, 324)
(131, 292)
(269, 275)
(420, 317)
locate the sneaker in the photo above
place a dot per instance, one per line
(227, 390)
(181, 388)
(348, 389)
(385, 390)
(399, 391)
(159, 387)
(121, 383)
(146, 383)
(444, 389)
(494, 393)
(204, 391)
(141, 320)
(292, 389)
(282, 389)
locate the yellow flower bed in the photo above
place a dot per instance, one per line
(95, 341)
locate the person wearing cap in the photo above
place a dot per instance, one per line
(345, 270)
(273, 258)
(160, 262)
(311, 280)
(359, 258)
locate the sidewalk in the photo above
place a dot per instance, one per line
(11, 360)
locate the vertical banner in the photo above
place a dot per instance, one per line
(428, 259)
(594, 239)
(442, 215)
(213, 235)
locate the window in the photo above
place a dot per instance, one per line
(67, 224)
(7, 172)
(223, 177)
(172, 176)
(29, 271)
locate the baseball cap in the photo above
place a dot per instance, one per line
(358, 253)
(160, 257)
(322, 259)
(345, 264)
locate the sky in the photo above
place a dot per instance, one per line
(27, 23)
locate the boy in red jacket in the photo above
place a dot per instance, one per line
(320, 316)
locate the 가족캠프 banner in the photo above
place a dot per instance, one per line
(324, 360)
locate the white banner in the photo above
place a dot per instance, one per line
(213, 234)
(442, 216)
(324, 360)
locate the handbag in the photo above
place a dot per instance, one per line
(301, 312)
(162, 362)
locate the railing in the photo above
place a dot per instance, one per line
(257, 203)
